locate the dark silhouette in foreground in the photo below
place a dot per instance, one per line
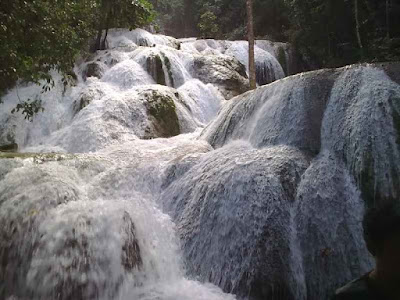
(382, 236)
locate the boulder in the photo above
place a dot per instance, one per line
(232, 210)
(328, 248)
(54, 244)
(80, 266)
(27, 194)
(361, 125)
(7, 133)
(93, 69)
(288, 112)
(352, 111)
(162, 114)
(226, 72)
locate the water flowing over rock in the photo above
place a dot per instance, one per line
(351, 111)
(327, 216)
(225, 72)
(286, 112)
(232, 209)
(346, 120)
(273, 60)
(141, 181)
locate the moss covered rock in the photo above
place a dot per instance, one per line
(161, 110)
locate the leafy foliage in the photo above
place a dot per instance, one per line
(207, 25)
(121, 14)
(326, 32)
(323, 31)
(187, 18)
(29, 108)
(38, 36)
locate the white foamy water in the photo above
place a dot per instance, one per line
(87, 226)
(165, 188)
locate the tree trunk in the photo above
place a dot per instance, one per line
(97, 45)
(250, 36)
(358, 28)
(103, 44)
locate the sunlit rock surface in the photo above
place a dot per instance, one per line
(144, 179)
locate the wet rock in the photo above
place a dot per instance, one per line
(392, 69)
(9, 147)
(361, 125)
(7, 134)
(328, 216)
(287, 112)
(55, 245)
(91, 93)
(232, 209)
(131, 258)
(353, 111)
(93, 69)
(224, 71)
(162, 114)
(154, 66)
(84, 273)
(27, 194)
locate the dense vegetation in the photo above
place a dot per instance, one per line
(37, 36)
(326, 32)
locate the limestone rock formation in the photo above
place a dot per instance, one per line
(227, 73)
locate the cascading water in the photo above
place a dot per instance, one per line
(346, 122)
(270, 58)
(119, 193)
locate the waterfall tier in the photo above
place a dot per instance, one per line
(153, 177)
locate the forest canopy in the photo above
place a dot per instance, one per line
(37, 36)
(327, 33)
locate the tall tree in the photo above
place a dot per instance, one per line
(250, 36)
(357, 18)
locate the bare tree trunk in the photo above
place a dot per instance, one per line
(97, 43)
(104, 43)
(250, 35)
(358, 27)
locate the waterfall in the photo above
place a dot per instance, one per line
(155, 176)
(270, 59)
